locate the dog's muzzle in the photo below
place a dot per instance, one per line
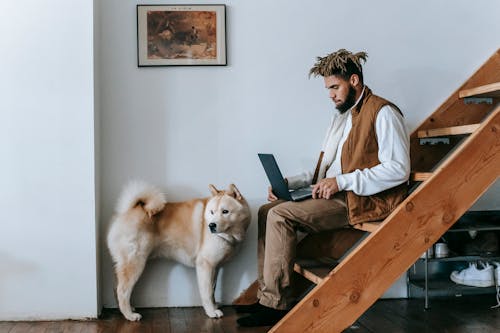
(213, 227)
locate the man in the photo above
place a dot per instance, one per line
(361, 176)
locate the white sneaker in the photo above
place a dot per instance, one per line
(475, 277)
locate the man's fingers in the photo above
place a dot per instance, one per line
(270, 194)
(315, 191)
(325, 189)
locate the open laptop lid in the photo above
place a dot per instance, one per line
(280, 188)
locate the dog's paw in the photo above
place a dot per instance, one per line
(215, 314)
(133, 316)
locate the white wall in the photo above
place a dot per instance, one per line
(47, 217)
(185, 127)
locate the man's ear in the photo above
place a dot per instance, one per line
(354, 80)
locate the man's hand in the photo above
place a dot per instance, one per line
(270, 195)
(325, 188)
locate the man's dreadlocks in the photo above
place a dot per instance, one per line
(342, 63)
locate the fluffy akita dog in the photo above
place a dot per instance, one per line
(201, 233)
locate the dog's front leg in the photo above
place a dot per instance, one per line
(207, 278)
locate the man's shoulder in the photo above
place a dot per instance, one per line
(377, 98)
(377, 103)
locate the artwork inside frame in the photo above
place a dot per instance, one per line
(181, 35)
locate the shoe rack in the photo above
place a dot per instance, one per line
(429, 276)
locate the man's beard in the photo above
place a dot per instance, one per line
(349, 101)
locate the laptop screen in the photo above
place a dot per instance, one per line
(280, 188)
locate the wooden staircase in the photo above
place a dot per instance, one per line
(446, 181)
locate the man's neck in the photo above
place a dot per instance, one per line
(359, 95)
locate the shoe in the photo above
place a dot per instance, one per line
(249, 308)
(475, 277)
(265, 317)
(485, 244)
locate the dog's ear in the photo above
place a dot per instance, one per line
(213, 190)
(234, 192)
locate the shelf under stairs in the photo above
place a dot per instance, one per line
(447, 180)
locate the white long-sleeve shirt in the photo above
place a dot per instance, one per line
(394, 156)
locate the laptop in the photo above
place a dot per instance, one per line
(280, 187)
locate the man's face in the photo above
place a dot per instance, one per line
(341, 92)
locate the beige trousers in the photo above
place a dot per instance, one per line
(277, 241)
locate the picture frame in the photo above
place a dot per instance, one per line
(181, 35)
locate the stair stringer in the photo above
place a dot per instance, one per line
(365, 274)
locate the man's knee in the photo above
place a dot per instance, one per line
(264, 211)
(277, 217)
(279, 212)
(273, 214)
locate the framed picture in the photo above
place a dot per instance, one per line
(181, 35)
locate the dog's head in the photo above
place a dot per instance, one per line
(227, 212)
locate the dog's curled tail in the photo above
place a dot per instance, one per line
(138, 193)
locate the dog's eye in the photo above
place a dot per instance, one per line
(225, 211)
(212, 212)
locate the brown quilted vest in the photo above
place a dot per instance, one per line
(360, 151)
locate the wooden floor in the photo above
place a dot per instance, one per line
(456, 315)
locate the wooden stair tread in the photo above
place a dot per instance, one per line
(367, 226)
(454, 130)
(488, 90)
(420, 176)
(314, 270)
